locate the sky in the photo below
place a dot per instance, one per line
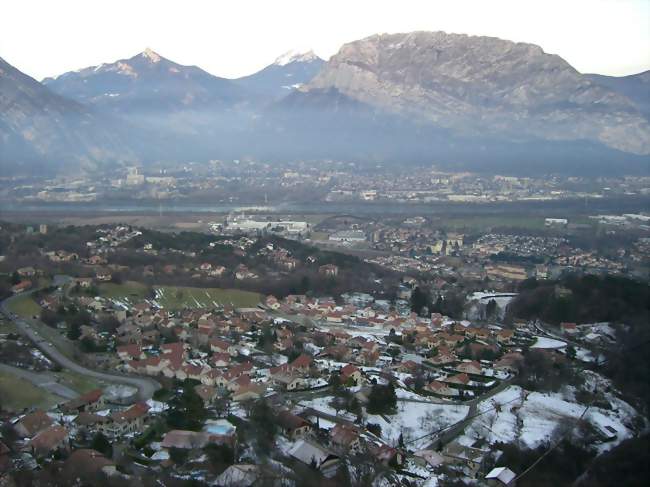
(238, 37)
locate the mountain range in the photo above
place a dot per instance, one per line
(458, 101)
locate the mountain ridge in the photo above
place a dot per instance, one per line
(465, 101)
(474, 84)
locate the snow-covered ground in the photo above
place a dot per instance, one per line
(322, 404)
(532, 418)
(544, 342)
(415, 419)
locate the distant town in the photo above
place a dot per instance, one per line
(251, 182)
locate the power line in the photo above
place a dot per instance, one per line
(467, 418)
(553, 447)
(580, 418)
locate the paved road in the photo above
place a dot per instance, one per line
(146, 387)
(43, 380)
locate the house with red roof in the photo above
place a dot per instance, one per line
(460, 379)
(48, 441)
(350, 372)
(90, 401)
(441, 389)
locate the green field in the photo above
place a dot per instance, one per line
(61, 342)
(24, 306)
(77, 382)
(486, 222)
(176, 297)
(7, 327)
(17, 394)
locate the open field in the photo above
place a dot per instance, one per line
(77, 382)
(7, 327)
(24, 306)
(65, 346)
(176, 297)
(17, 394)
(485, 222)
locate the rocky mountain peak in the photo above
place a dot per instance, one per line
(479, 85)
(294, 56)
(151, 55)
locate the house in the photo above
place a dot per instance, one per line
(457, 454)
(346, 437)
(215, 378)
(90, 401)
(48, 441)
(249, 392)
(217, 271)
(350, 373)
(32, 423)
(367, 357)
(91, 421)
(386, 454)
(26, 271)
(293, 426)
(84, 282)
(510, 362)
(460, 379)
(206, 393)
(240, 475)
(220, 359)
(441, 389)
(569, 328)
(219, 345)
(501, 476)
(301, 363)
(505, 336)
(131, 420)
(329, 270)
(85, 465)
(103, 275)
(472, 367)
(428, 457)
(236, 384)
(130, 352)
(217, 432)
(249, 475)
(289, 382)
(313, 454)
(184, 439)
(21, 286)
(242, 272)
(272, 302)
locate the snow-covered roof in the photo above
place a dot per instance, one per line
(503, 474)
(306, 452)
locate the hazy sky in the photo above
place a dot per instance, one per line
(237, 37)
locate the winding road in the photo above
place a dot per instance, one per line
(145, 386)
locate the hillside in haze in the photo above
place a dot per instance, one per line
(289, 71)
(44, 131)
(459, 101)
(147, 82)
(483, 85)
(635, 87)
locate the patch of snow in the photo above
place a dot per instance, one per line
(415, 420)
(544, 342)
(293, 56)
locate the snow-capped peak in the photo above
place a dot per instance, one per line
(151, 55)
(293, 56)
